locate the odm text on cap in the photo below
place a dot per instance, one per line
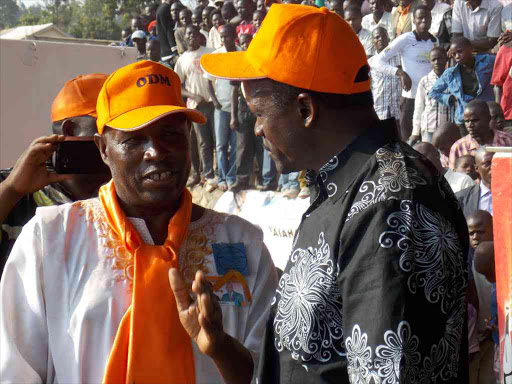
(153, 79)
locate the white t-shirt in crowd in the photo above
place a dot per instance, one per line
(188, 68)
(415, 58)
(458, 180)
(223, 88)
(384, 22)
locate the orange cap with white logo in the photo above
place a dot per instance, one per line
(139, 94)
(78, 97)
(302, 46)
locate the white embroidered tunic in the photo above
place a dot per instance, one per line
(67, 285)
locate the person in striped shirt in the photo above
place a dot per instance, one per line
(429, 114)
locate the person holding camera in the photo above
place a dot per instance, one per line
(30, 184)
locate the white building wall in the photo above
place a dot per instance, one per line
(31, 75)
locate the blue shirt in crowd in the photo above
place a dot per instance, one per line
(451, 81)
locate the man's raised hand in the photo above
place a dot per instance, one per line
(202, 319)
(30, 173)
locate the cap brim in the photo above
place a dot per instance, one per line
(142, 117)
(230, 66)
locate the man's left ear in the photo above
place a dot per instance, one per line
(99, 140)
(308, 109)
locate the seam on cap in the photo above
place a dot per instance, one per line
(319, 49)
(274, 41)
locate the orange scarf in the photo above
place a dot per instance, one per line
(151, 345)
(402, 19)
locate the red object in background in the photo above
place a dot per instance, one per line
(502, 207)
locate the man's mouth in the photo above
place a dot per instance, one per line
(159, 175)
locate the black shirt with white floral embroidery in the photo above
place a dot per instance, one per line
(374, 289)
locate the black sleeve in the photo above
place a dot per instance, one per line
(403, 281)
(165, 30)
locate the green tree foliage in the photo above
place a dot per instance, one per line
(9, 14)
(88, 19)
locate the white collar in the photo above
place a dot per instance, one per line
(483, 189)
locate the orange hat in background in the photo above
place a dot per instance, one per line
(151, 25)
(78, 97)
(302, 46)
(139, 94)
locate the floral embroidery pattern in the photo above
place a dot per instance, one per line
(431, 255)
(431, 252)
(394, 176)
(193, 252)
(122, 260)
(308, 321)
(398, 360)
(332, 188)
(196, 248)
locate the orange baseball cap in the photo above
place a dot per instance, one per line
(78, 97)
(302, 46)
(139, 94)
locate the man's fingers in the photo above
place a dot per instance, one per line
(49, 139)
(180, 290)
(57, 178)
(207, 306)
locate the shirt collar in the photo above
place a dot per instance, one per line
(335, 177)
(430, 37)
(433, 74)
(483, 5)
(404, 11)
(483, 189)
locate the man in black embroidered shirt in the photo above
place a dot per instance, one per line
(374, 289)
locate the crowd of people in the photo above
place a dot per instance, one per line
(428, 59)
(391, 276)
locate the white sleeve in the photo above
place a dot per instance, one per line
(467, 182)
(24, 356)
(456, 17)
(381, 63)
(494, 26)
(419, 107)
(178, 68)
(262, 295)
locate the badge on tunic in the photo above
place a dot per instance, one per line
(230, 257)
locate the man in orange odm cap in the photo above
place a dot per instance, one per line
(374, 288)
(99, 291)
(29, 184)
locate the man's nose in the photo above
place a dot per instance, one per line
(155, 151)
(258, 129)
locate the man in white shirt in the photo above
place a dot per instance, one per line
(86, 296)
(195, 89)
(414, 49)
(457, 180)
(386, 89)
(437, 9)
(378, 17)
(354, 18)
(225, 138)
(479, 21)
(429, 114)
